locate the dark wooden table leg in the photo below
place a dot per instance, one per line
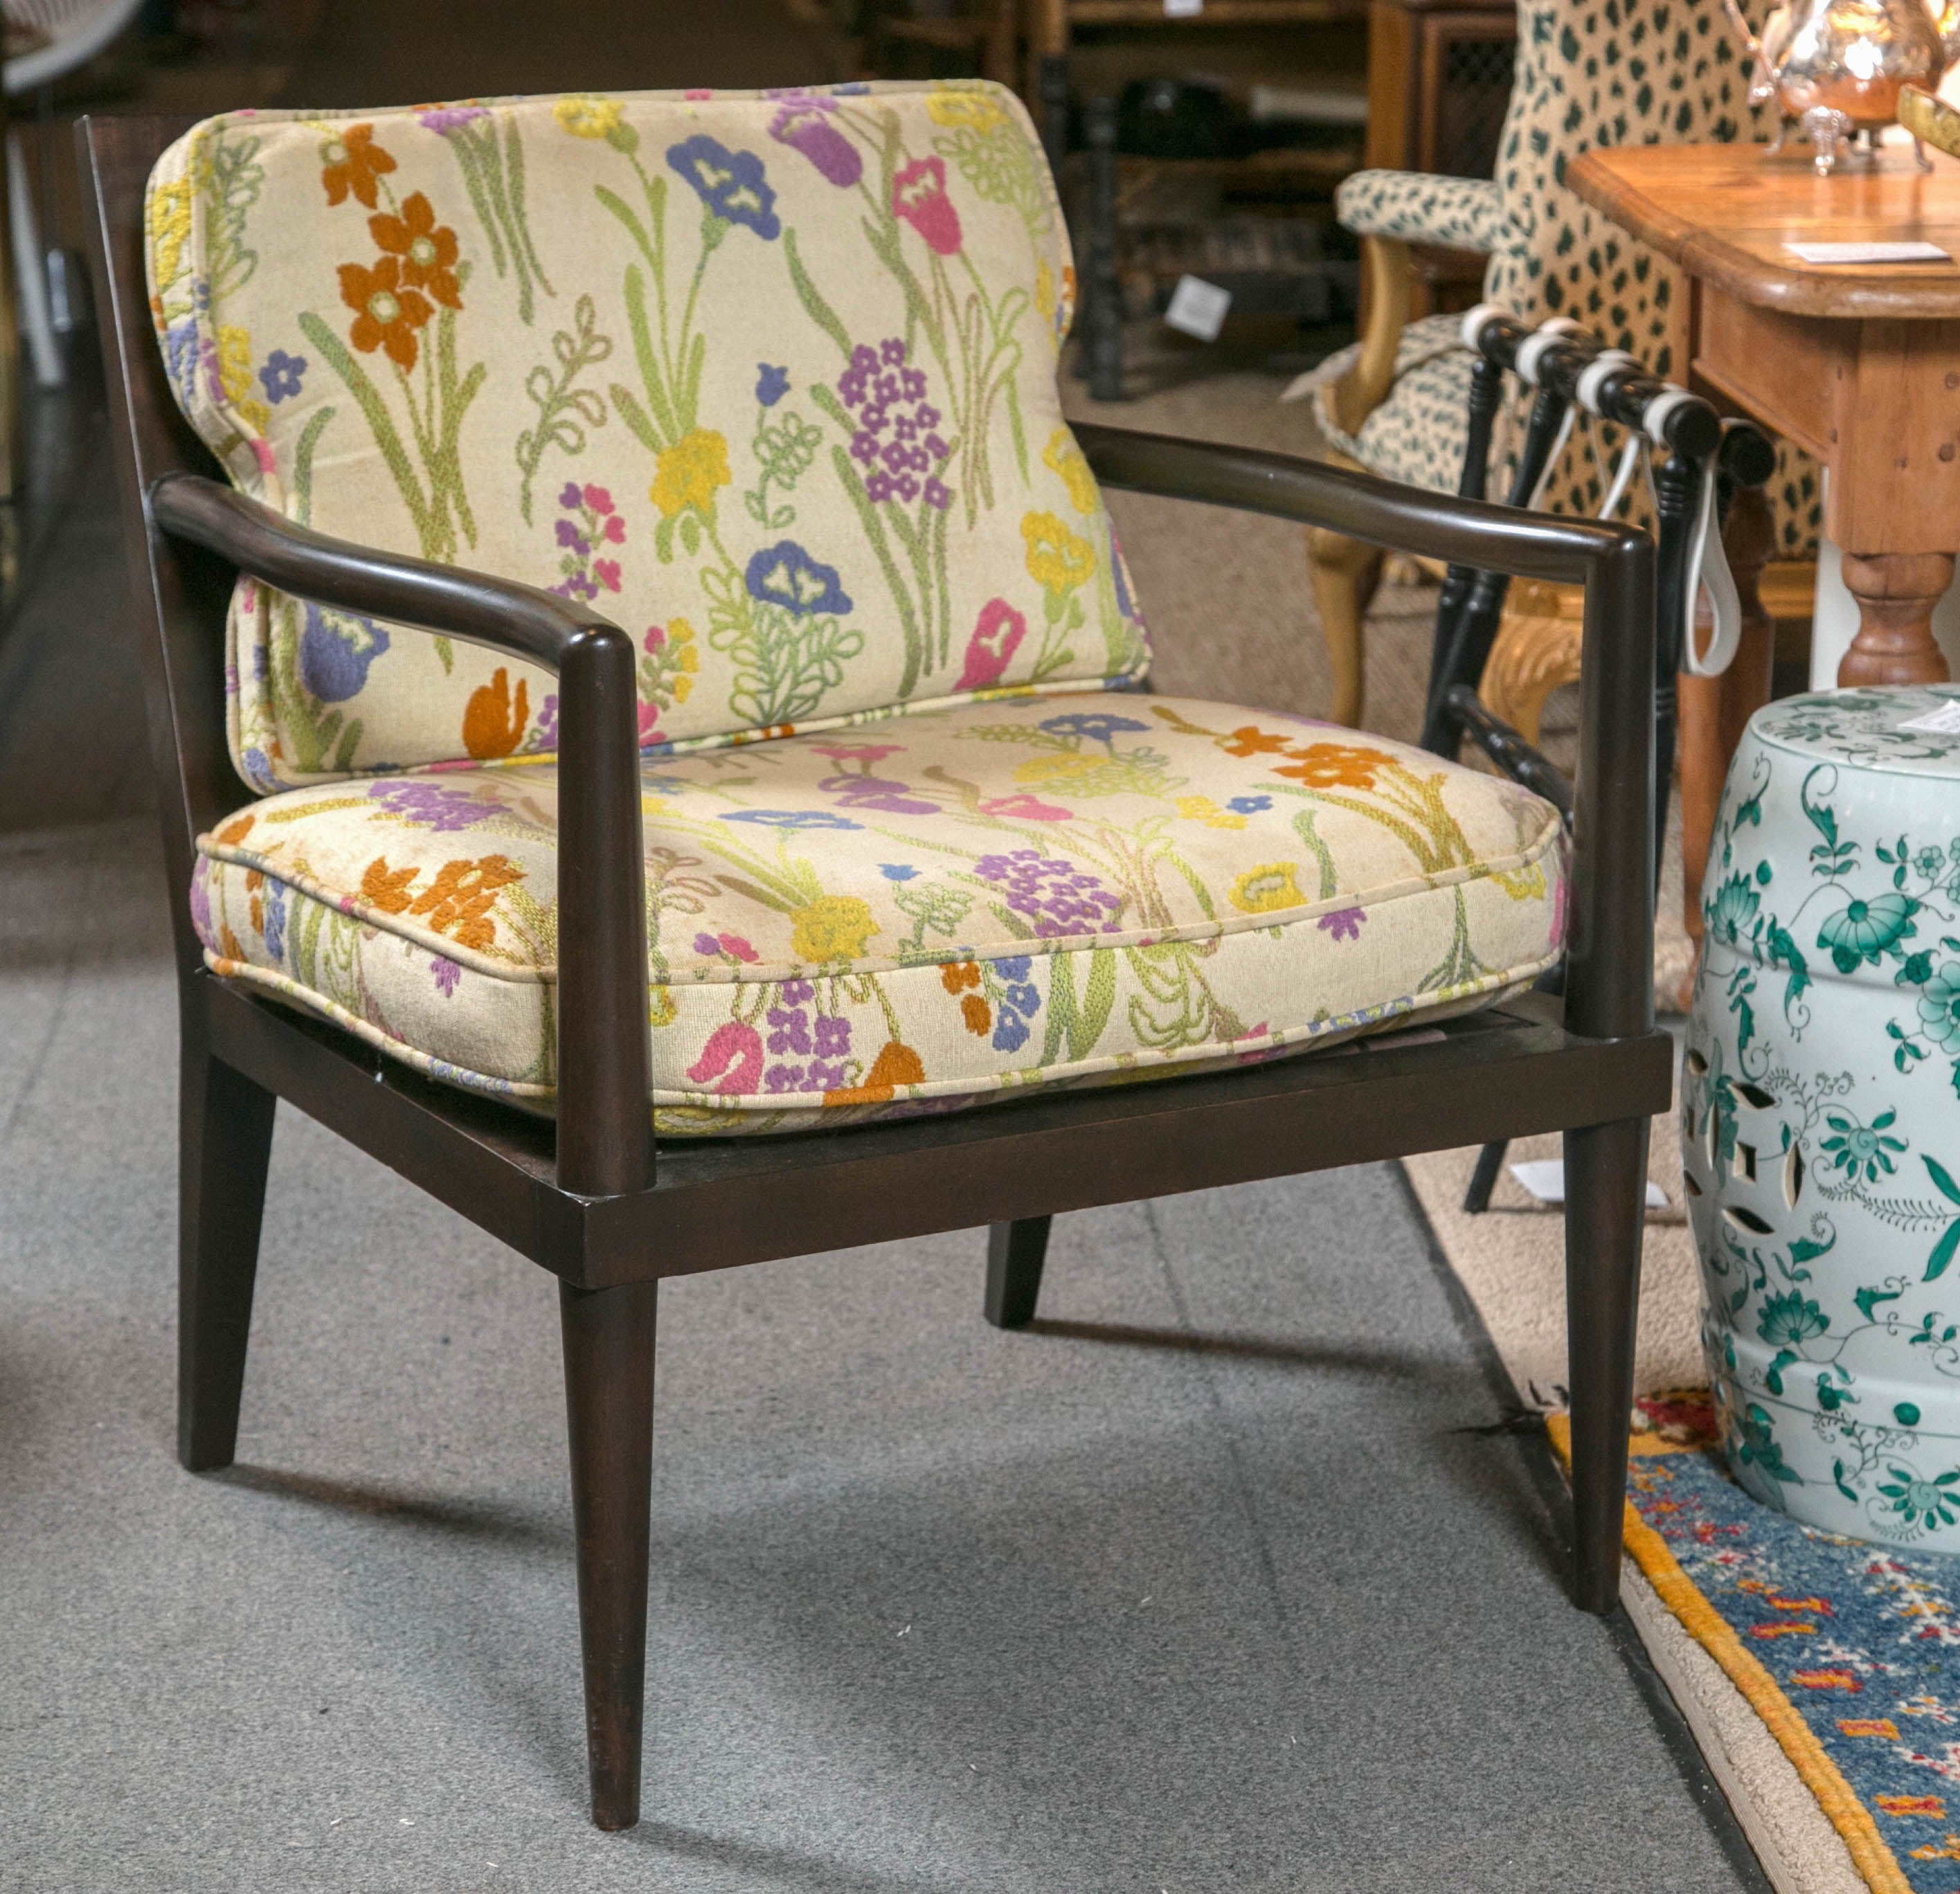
(1015, 1253)
(224, 1143)
(1605, 1194)
(1896, 592)
(608, 1385)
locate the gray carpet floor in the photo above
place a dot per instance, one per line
(1203, 1585)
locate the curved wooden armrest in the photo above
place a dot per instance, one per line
(605, 1142)
(1611, 912)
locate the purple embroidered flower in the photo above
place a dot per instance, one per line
(855, 792)
(729, 184)
(445, 811)
(1052, 894)
(785, 574)
(544, 729)
(1344, 923)
(884, 392)
(335, 649)
(444, 119)
(447, 973)
(568, 534)
(803, 122)
(273, 932)
(789, 1030)
(772, 384)
(281, 375)
(826, 1042)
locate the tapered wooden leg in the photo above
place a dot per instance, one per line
(1344, 573)
(224, 1143)
(1015, 1253)
(609, 1388)
(1606, 1196)
(1896, 593)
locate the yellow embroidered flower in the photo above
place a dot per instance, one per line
(1058, 560)
(1201, 809)
(661, 1010)
(1065, 458)
(234, 376)
(168, 216)
(1044, 292)
(1265, 890)
(686, 656)
(955, 106)
(831, 927)
(687, 474)
(585, 116)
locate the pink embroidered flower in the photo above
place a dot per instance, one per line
(262, 452)
(731, 1061)
(997, 635)
(1025, 809)
(918, 195)
(650, 720)
(858, 752)
(607, 571)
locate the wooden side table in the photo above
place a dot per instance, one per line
(1859, 366)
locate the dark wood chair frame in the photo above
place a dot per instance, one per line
(585, 1199)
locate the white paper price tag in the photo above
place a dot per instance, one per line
(1869, 253)
(1198, 308)
(1943, 722)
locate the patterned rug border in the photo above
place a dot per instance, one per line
(1870, 1853)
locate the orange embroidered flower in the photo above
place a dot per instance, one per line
(1870, 1726)
(352, 162)
(458, 901)
(387, 888)
(1248, 740)
(236, 830)
(426, 249)
(492, 724)
(957, 975)
(897, 1065)
(1335, 765)
(978, 1015)
(1827, 1680)
(386, 313)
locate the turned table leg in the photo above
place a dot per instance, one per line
(1896, 593)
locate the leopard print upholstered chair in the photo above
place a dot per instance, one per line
(1657, 72)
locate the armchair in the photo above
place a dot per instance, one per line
(346, 934)
(1395, 402)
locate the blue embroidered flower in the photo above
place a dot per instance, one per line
(280, 377)
(1098, 727)
(772, 384)
(335, 649)
(274, 930)
(1249, 805)
(1020, 1000)
(730, 184)
(896, 871)
(791, 818)
(259, 771)
(785, 574)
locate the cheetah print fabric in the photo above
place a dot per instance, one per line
(1587, 75)
(1421, 208)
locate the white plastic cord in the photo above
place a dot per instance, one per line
(1552, 459)
(1631, 455)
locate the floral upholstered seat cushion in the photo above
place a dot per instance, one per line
(768, 379)
(929, 913)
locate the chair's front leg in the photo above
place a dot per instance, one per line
(224, 1144)
(608, 1385)
(1605, 1210)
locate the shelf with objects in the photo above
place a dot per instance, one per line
(1208, 141)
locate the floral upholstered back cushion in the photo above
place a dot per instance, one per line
(768, 378)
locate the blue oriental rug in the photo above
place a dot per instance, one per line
(1848, 1650)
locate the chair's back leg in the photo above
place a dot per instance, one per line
(609, 1387)
(1015, 1253)
(224, 1143)
(1605, 1200)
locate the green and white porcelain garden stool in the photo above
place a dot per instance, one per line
(1820, 1113)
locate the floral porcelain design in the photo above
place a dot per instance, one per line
(1820, 1113)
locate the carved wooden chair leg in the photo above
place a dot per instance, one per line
(226, 1142)
(1344, 573)
(1015, 1253)
(608, 1385)
(1605, 1195)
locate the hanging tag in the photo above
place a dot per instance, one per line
(1198, 308)
(1943, 722)
(1708, 570)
